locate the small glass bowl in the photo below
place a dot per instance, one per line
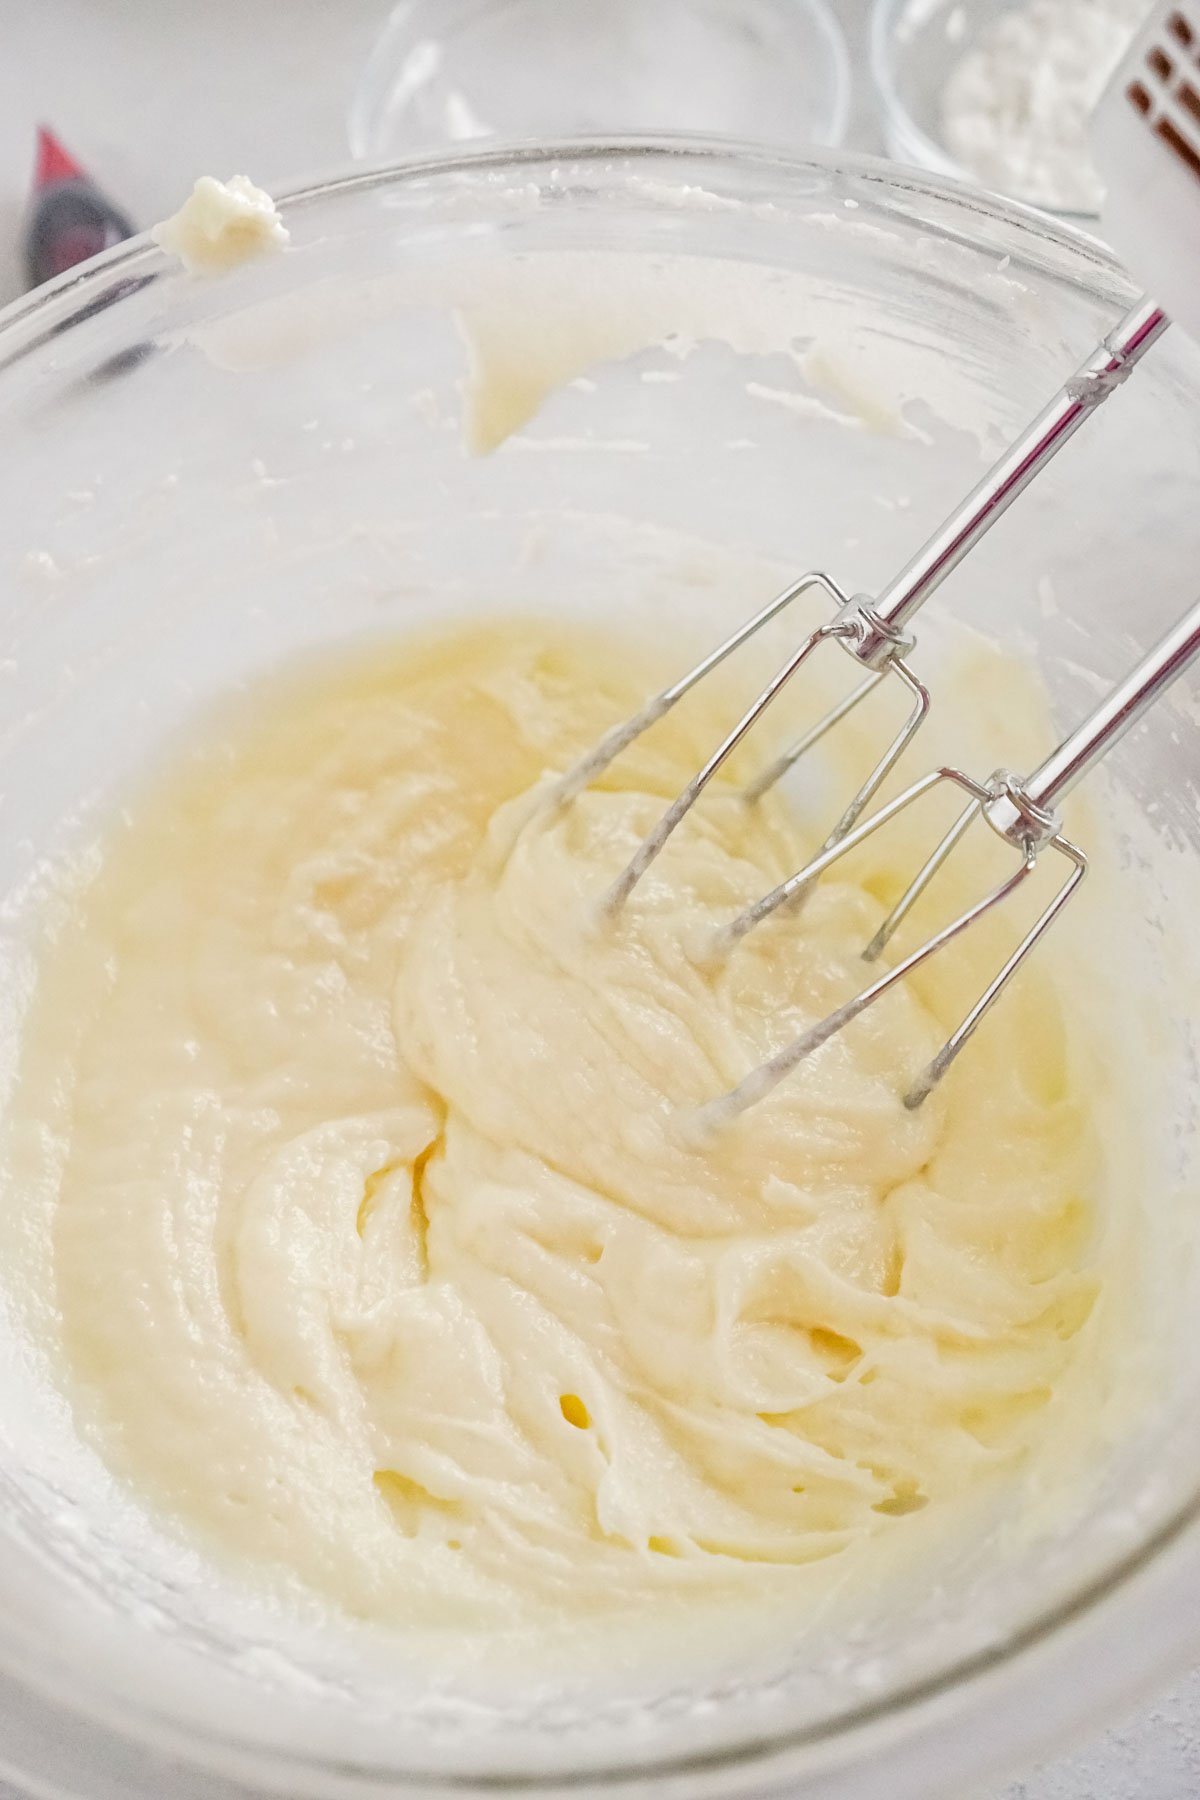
(915, 46)
(772, 71)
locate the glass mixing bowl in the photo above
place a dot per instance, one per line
(198, 479)
(442, 71)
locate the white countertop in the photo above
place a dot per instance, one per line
(148, 94)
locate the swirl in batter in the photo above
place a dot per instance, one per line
(380, 1254)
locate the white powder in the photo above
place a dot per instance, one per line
(1016, 107)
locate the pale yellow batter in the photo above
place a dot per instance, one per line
(380, 1253)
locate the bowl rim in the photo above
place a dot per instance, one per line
(69, 299)
(882, 30)
(31, 322)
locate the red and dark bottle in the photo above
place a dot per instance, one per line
(70, 219)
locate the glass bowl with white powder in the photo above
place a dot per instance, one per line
(999, 92)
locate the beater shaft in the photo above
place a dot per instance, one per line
(1119, 712)
(1092, 383)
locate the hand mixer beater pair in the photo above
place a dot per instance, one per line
(1147, 134)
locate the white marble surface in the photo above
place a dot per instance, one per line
(150, 93)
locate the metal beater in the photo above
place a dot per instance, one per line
(875, 634)
(1145, 138)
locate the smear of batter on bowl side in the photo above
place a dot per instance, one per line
(379, 1253)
